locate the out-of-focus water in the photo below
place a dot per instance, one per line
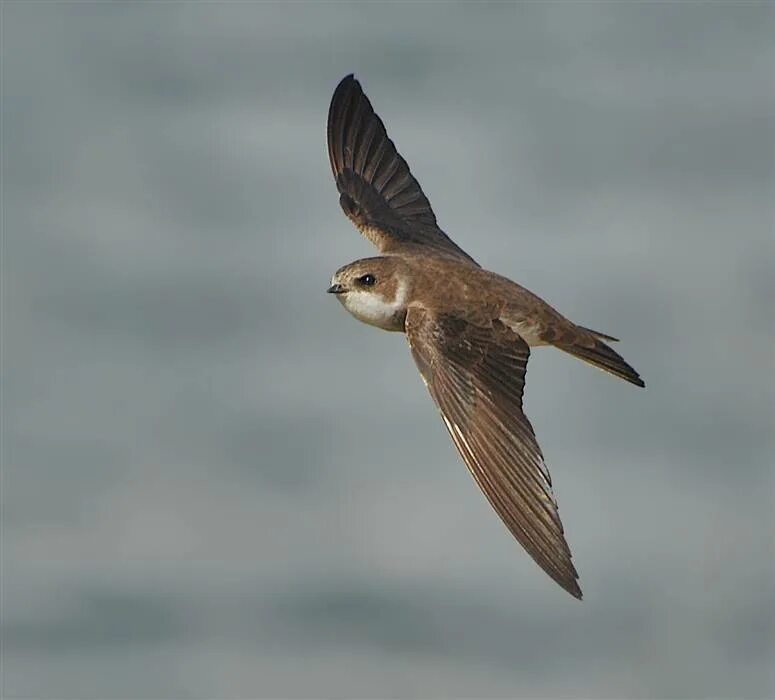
(218, 484)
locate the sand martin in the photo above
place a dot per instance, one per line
(470, 330)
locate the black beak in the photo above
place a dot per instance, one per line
(336, 289)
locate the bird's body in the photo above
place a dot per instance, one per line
(469, 329)
(447, 284)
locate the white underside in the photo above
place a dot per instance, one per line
(526, 331)
(370, 307)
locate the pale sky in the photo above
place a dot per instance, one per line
(218, 484)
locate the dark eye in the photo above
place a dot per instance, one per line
(367, 280)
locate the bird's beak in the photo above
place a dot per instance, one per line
(336, 289)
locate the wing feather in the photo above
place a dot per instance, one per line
(377, 190)
(476, 376)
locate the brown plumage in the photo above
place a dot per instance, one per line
(469, 329)
(377, 191)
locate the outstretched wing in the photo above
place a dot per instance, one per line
(377, 191)
(476, 376)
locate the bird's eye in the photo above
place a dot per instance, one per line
(367, 280)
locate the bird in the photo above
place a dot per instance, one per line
(470, 331)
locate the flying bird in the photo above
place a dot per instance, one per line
(469, 330)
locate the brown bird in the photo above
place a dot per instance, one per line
(470, 330)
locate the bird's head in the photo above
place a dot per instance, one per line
(374, 290)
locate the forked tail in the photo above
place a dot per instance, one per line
(603, 357)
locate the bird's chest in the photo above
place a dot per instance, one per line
(389, 315)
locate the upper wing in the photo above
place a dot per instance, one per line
(378, 193)
(476, 376)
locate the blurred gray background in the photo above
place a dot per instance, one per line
(218, 484)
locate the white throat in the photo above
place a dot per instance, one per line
(371, 308)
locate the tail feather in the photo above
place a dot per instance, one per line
(604, 358)
(600, 335)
